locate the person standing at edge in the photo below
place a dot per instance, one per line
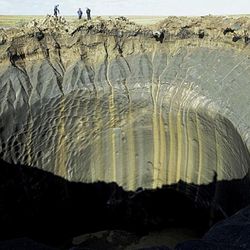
(56, 10)
(79, 12)
(88, 13)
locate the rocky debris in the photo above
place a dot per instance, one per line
(155, 248)
(39, 35)
(49, 34)
(211, 27)
(231, 234)
(158, 35)
(214, 27)
(247, 40)
(23, 244)
(236, 38)
(184, 33)
(227, 30)
(45, 34)
(201, 34)
(118, 26)
(233, 231)
(113, 240)
(50, 23)
(246, 37)
(2, 39)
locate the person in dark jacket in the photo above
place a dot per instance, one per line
(79, 12)
(88, 13)
(56, 10)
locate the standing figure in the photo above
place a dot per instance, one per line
(56, 10)
(88, 13)
(79, 12)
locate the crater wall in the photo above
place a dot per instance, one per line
(118, 102)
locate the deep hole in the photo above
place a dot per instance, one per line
(48, 209)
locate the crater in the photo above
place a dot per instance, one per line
(114, 104)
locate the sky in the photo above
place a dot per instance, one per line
(127, 7)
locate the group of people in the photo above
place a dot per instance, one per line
(79, 12)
